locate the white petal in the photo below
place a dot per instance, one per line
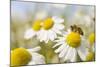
(58, 26)
(57, 19)
(44, 36)
(63, 52)
(34, 49)
(55, 35)
(82, 51)
(60, 48)
(37, 58)
(84, 41)
(60, 43)
(41, 35)
(29, 34)
(69, 54)
(57, 31)
(74, 57)
(65, 33)
(52, 35)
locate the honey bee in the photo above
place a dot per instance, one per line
(77, 29)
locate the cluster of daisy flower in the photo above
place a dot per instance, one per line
(70, 45)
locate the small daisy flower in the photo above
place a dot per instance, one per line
(91, 46)
(91, 40)
(90, 56)
(47, 29)
(22, 56)
(50, 28)
(70, 45)
(34, 30)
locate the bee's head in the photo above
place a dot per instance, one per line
(77, 29)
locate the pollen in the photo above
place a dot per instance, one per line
(20, 56)
(37, 25)
(90, 56)
(73, 39)
(48, 23)
(91, 38)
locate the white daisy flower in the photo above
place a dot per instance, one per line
(91, 40)
(50, 28)
(71, 45)
(29, 33)
(22, 56)
(46, 30)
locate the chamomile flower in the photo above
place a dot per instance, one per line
(22, 56)
(46, 29)
(34, 30)
(91, 39)
(70, 45)
(91, 45)
(91, 48)
(50, 28)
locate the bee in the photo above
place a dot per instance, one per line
(77, 29)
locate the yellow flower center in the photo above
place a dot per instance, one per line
(90, 56)
(20, 56)
(37, 25)
(48, 23)
(91, 38)
(73, 39)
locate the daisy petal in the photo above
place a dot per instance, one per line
(45, 35)
(37, 58)
(58, 44)
(52, 35)
(82, 51)
(63, 52)
(57, 31)
(60, 48)
(29, 34)
(74, 57)
(69, 54)
(34, 49)
(57, 19)
(40, 35)
(59, 26)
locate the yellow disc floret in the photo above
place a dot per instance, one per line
(90, 56)
(37, 25)
(48, 23)
(92, 38)
(20, 56)
(73, 39)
